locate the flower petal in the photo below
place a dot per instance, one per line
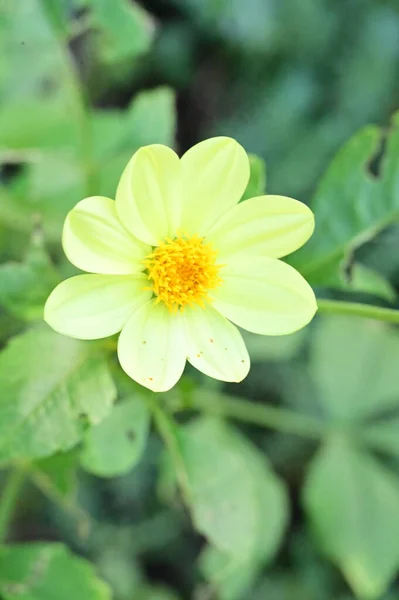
(266, 226)
(152, 348)
(148, 194)
(95, 240)
(214, 345)
(215, 174)
(264, 295)
(89, 307)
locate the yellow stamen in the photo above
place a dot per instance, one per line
(182, 271)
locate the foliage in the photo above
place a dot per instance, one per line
(164, 497)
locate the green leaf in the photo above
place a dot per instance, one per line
(237, 502)
(51, 184)
(149, 119)
(43, 193)
(125, 29)
(29, 126)
(383, 436)
(230, 578)
(50, 386)
(156, 593)
(346, 206)
(42, 571)
(274, 348)
(366, 280)
(40, 106)
(257, 181)
(351, 205)
(59, 471)
(115, 445)
(354, 365)
(352, 502)
(24, 287)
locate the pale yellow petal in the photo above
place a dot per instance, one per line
(215, 174)
(90, 307)
(95, 240)
(264, 295)
(265, 226)
(148, 198)
(214, 345)
(152, 348)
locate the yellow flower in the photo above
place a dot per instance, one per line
(175, 261)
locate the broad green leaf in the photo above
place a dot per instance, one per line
(30, 126)
(346, 206)
(124, 29)
(51, 385)
(354, 363)
(116, 564)
(384, 435)
(230, 578)
(149, 119)
(351, 205)
(352, 502)
(366, 280)
(43, 193)
(59, 472)
(51, 184)
(257, 181)
(237, 502)
(40, 107)
(24, 287)
(380, 254)
(116, 444)
(43, 571)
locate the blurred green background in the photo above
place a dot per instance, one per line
(277, 514)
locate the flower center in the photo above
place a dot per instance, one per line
(182, 270)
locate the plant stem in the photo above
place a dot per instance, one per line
(8, 500)
(358, 309)
(168, 431)
(272, 417)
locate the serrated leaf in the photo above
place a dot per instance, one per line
(351, 205)
(50, 384)
(115, 445)
(354, 365)
(257, 180)
(43, 571)
(231, 489)
(352, 503)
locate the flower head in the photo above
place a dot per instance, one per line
(174, 261)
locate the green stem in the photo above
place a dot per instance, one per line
(9, 499)
(66, 503)
(358, 309)
(168, 431)
(262, 415)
